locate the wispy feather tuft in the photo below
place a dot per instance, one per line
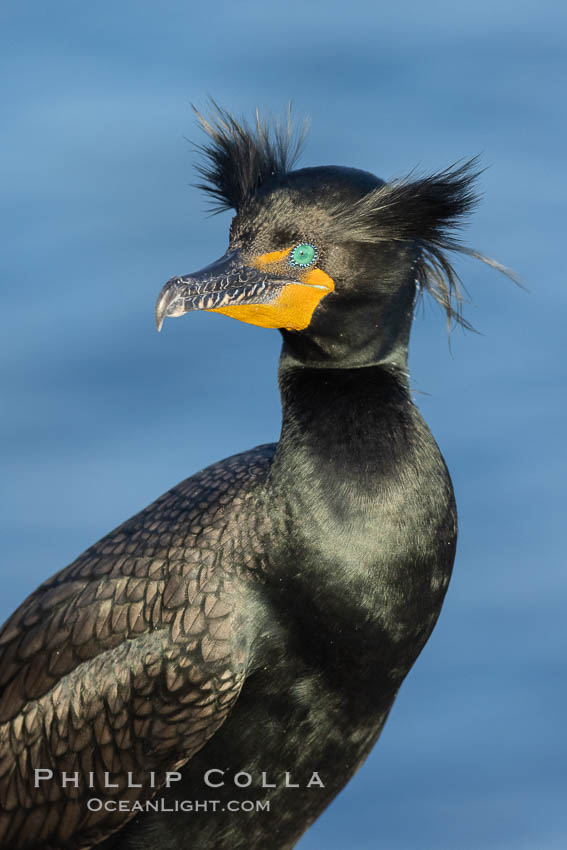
(425, 210)
(238, 157)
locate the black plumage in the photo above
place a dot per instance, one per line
(259, 618)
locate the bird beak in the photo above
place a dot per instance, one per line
(256, 294)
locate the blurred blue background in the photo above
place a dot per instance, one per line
(101, 415)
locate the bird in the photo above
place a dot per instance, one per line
(215, 670)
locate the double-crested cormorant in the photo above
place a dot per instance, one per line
(212, 673)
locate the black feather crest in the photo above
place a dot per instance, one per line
(238, 157)
(427, 211)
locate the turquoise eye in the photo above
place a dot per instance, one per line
(303, 255)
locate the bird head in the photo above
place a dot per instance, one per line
(331, 256)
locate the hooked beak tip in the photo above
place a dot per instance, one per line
(164, 303)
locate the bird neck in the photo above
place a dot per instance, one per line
(358, 500)
(354, 418)
(344, 443)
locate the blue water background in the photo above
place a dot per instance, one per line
(101, 415)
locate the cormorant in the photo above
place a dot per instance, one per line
(236, 646)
